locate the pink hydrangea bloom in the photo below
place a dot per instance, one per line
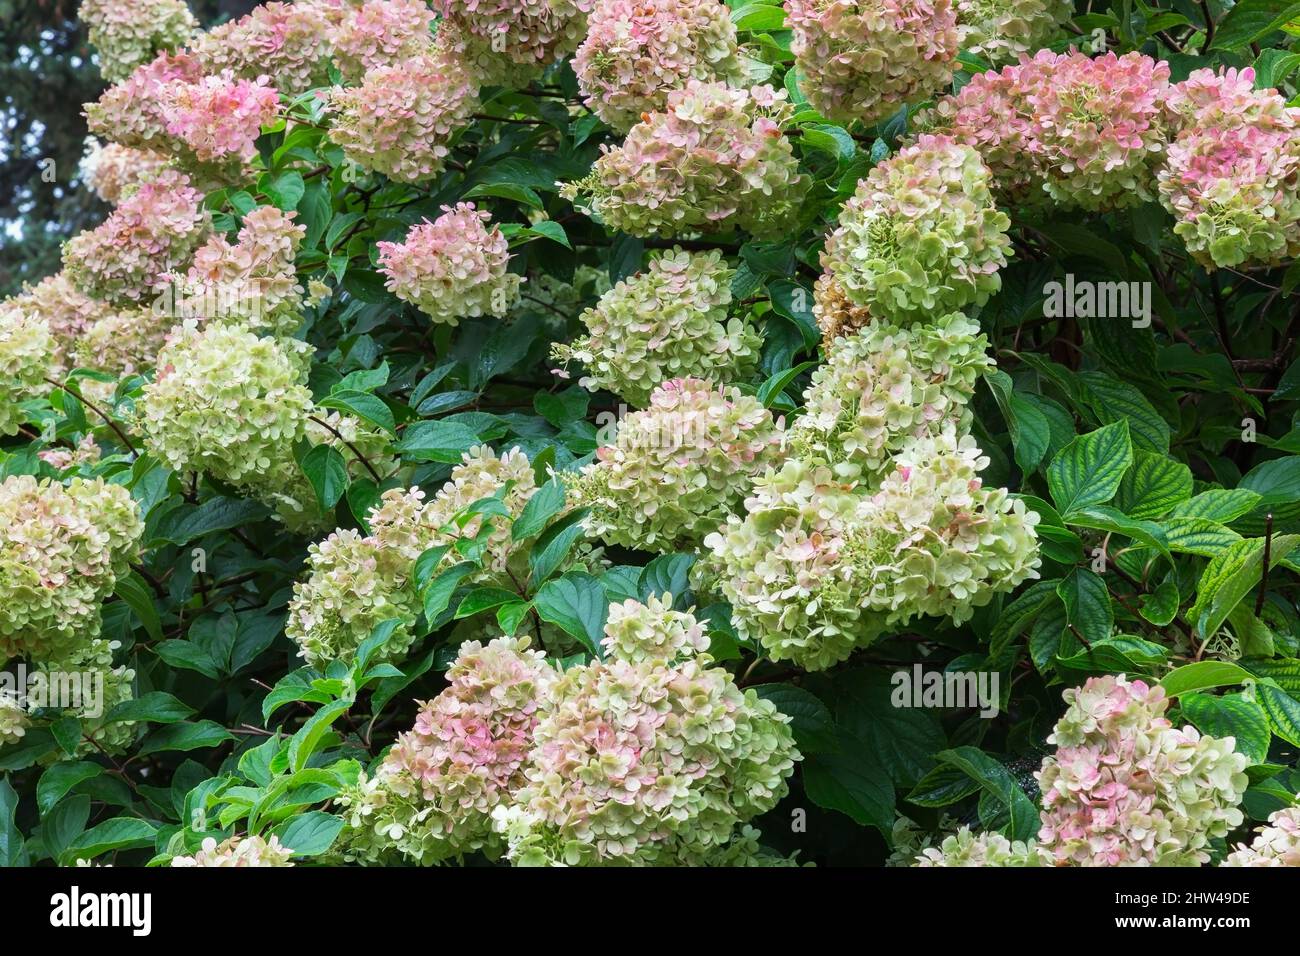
(152, 233)
(288, 42)
(1098, 127)
(1277, 844)
(1232, 178)
(381, 33)
(219, 118)
(637, 52)
(127, 33)
(113, 171)
(509, 41)
(863, 59)
(1127, 788)
(400, 120)
(452, 267)
(135, 112)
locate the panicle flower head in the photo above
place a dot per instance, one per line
(114, 171)
(1001, 31)
(27, 356)
(226, 402)
(434, 794)
(285, 42)
(989, 848)
(1098, 128)
(1126, 788)
(649, 749)
(62, 550)
(218, 119)
(124, 341)
(512, 41)
(714, 160)
(676, 470)
(885, 386)
(67, 312)
(135, 112)
(381, 33)
(238, 851)
(864, 59)
(127, 33)
(13, 719)
(401, 118)
(154, 231)
(1277, 844)
(921, 235)
(453, 267)
(667, 322)
(638, 52)
(1232, 176)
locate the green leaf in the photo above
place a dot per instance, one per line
(1218, 504)
(187, 522)
(1283, 711)
(1154, 486)
(135, 592)
(1232, 715)
(512, 191)
(155, 707)
(185, 735)
(758, 17)
(120, 833)
(308, 739)
(851, 781)
(286, 190)
(545, 504)
(810, 719)
(1031, 434)
(13, 852)
(1113, 401)
(1249, 20)
(327, 472)
(310, 834)
(437, 441)
(553, 547)
(484, 599)
(548, 229)
(1088, 471)
(1285, 672)
(669, 574)
(1202, 675)
(1087, 604)
(1161, 605)
(996, 781)
(60, 778)
(904, 738)
(1230, 576)
(576, 603)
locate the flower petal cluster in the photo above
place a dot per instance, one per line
(511, 41)
(989, 848)
(124, 341)
(285, 42)
(433, 796)
(667, 322)
(636, 53)
(1276, 844)
(1232, 176)
(154, 231)
(381, 33)
(885, 386)
(452, 268)
(401, 118)
(127, 33)
(1002, 31)
(1127, 788)
(714, 160)
(921, 235)
(864, 59)
(114, 171)
(676, 470)
(13, 719)
(218, 119)
(26, 358)
(65, 311)
(135, 111)
(62, 550)
(238, 851)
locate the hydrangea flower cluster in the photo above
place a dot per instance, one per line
(1098, 131)
(667, 322)
(677, 469)
(381, 33)
(1232, 176)
(65, 311)
(1002, 31)
(238, 851)
(26, 358)
(401, 118)
(136, 111)
(227, 403)
(921, 235)
(98, 735)
(252, 282)
(127, 33)
(648, 752)
(714, 160)
(817, 568)
(864, 59)
(154, 231)
(218, 119)
(636, 53)
(510, 41)
(1127, 788)
(1277, 844)
(13, 720)
(124, 341)
(885, 386)
(433, 796)
(62, 549)
(453, 267)
(114, 171)
(355, 582)
(836, 314)
(287, 42)
(989, 848)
